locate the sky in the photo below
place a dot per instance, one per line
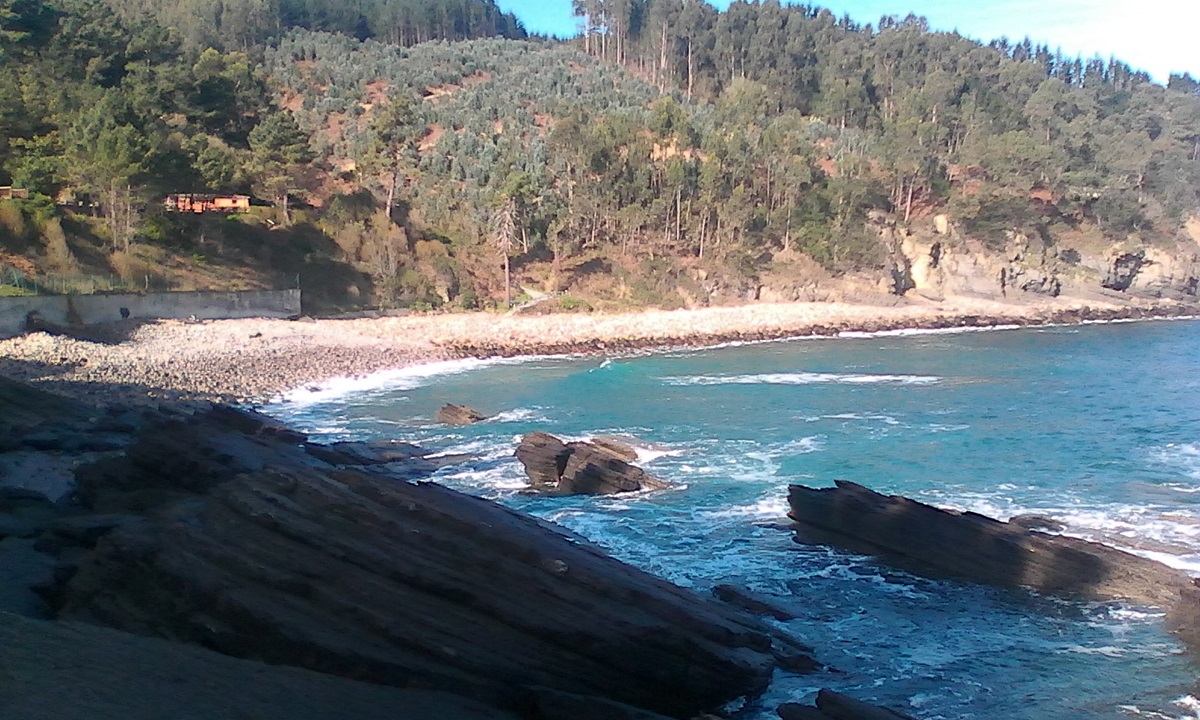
(1158, 36)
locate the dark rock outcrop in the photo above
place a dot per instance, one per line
(76, 671)
(751, 602)
(1031, 521)
(1124, 271)
(832, 705)
(581, 468)
(254, 546)
(978, 548)
(616, 448)
(544, 457)
(397, 459)
(458, 415)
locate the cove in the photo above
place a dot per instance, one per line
(1095, 425)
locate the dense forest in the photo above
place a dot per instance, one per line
(434, 155)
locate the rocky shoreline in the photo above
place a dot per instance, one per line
(254, 361)
(226, 530)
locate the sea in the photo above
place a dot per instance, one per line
(1095, 425)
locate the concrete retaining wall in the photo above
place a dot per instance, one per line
(92, 309)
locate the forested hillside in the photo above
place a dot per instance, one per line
(671, 155)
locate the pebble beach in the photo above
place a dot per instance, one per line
(255, 360)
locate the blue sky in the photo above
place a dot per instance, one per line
(1158, 36)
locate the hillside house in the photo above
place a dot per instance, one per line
(202, 203)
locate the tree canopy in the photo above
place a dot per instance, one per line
(670, 134)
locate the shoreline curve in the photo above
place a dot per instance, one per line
(256, 361)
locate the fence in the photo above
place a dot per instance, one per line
(14, 282)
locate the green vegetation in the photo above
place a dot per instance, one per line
(421, 152)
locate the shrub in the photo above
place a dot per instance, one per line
(570, 303)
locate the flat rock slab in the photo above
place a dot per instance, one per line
(979, 548)
(51, 475)
(258, 549)
(365, 453)
(74, 671)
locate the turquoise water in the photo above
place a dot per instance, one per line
(1097, 425)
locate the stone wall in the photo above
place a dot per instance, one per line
(93, 309)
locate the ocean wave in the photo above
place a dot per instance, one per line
(518, 415)
(799, 446)
(904, 332)
(802, 378)
(1170, 537)
(1190, 704)
(408, 378)
(649, 455)
(774, 507)
(1187, 703)
(490, 482)
(647, 452)
(481, 449)
(1180, 456)
(885, 419)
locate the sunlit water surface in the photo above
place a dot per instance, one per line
(1097, 425)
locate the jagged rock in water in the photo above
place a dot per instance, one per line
(973, 546)
(832, 705)
(458, 415)
(616, 448)
(544, 457)
(260, 550)
(580, 468)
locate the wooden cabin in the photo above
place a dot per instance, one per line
(202, 203)
(7, 192)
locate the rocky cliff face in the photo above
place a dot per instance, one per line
(934, 260)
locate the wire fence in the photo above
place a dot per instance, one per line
(15, 282)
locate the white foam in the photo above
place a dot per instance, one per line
(484, 448)
(926, 331)
(1106, 650)
(1132, 615)
(519, 415)
(1180, 456)
(885, 419)
(1173, 536)
(774, 507)
(942, 428)
(799, 446)
(492, 480)
(649, 455)
(1190, 704)
(802, 378)
(646, 453)
(1190, 564)
(401, 379)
